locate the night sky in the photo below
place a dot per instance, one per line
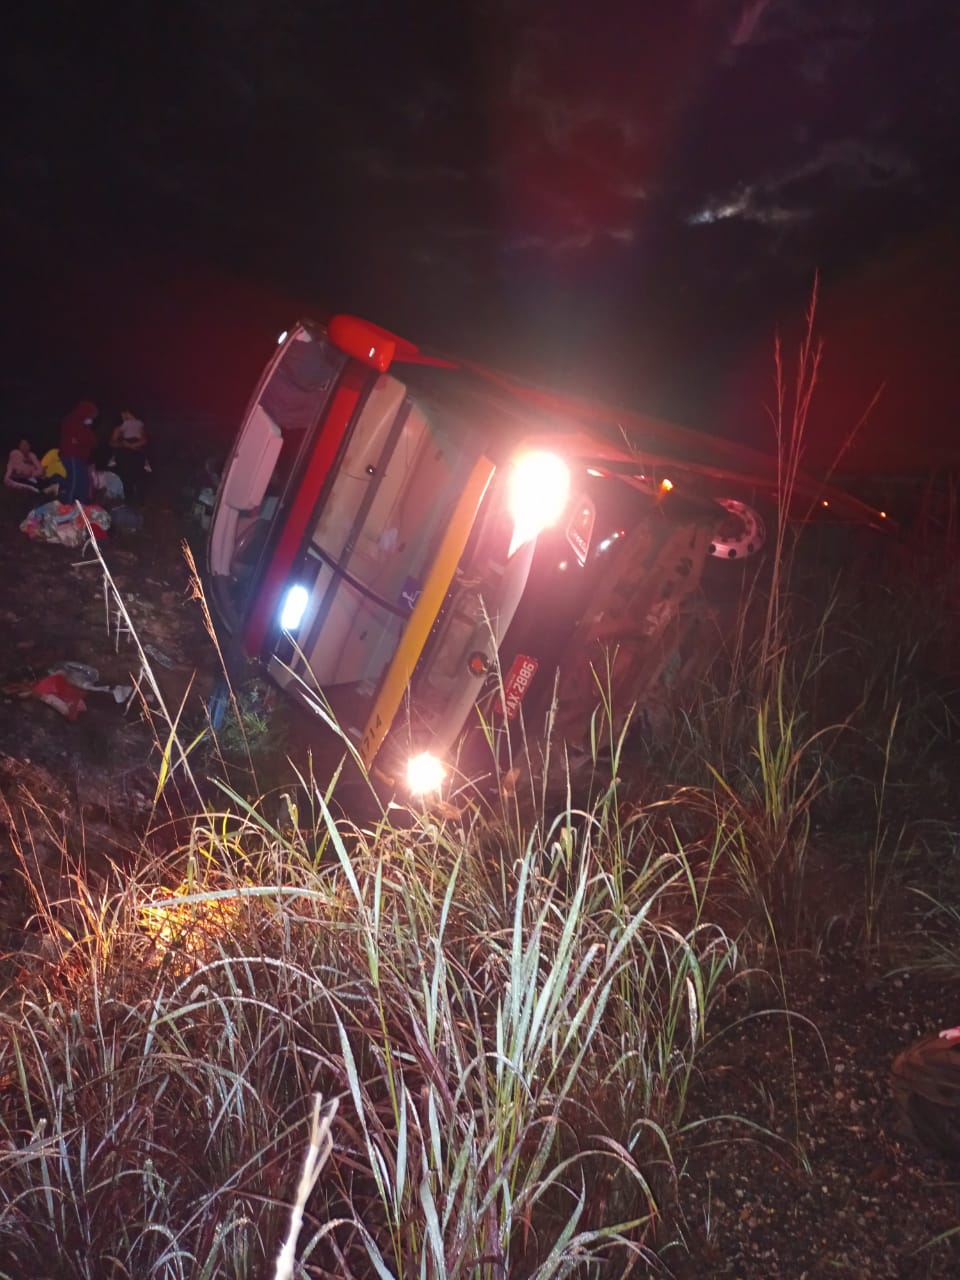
(626, 198)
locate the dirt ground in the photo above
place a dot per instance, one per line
(95, 776)
(860, 1202)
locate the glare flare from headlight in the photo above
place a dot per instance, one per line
(294, 607)
(538, 492)
(425, 773)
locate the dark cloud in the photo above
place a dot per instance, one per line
(797, 192)
(525, 169)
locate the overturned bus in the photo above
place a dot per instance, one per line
(424, 541)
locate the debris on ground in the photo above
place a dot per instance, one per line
(152, 651)
(62, 642)
(127, 519)
(63, 522)
(58, 692)
(86, 677)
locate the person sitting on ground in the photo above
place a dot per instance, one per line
(24, 470)
(77, 442)
(129, 439)
(53, 468)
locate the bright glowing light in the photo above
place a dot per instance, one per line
(824, 503)
(425, 773)
(607, 543)
(478, 664)
(282, 338)
(883, 515)
(666, 485)
(539, 489)
(294, 607)
(186, 927)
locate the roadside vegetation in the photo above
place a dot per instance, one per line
(489, 1041)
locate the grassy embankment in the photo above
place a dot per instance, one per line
(473, 1039)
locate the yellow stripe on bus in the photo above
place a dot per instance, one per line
(425, 611)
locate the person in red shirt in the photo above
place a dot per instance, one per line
(77, 441)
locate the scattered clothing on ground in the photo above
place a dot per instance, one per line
(82, 676)
(126, 519)
(61, 694)
(108, 485)
(63, 523)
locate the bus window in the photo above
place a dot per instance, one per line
(290, 403)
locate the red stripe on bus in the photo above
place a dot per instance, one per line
(328, 441)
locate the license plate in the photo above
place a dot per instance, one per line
(518, 681)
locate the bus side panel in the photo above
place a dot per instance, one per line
(344, 404)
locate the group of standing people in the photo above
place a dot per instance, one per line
(78, 441)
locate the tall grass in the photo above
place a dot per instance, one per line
(806, 685)
(510, 1053)
(504, 1012)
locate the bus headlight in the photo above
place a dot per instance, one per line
(293, 608)
(537, 493)
(425, 773)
